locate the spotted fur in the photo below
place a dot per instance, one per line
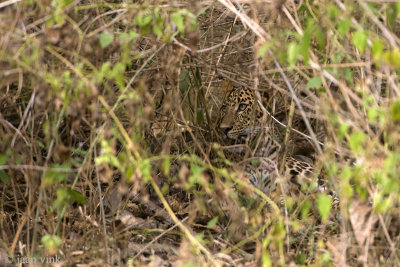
(240, 115)
(241, 118)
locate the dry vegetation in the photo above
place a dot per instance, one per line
(109, 152)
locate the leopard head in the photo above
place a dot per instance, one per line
(240, 114)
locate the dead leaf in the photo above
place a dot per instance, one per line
(226, 86)
(52, 35)
(362, 220)
(338, 245)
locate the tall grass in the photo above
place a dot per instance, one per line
(110, 154)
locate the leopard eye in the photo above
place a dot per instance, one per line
(223, 108)
(242, 106)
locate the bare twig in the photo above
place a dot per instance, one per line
(8, 3)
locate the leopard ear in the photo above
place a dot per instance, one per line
(226, 86)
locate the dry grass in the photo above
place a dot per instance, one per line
(109, 152)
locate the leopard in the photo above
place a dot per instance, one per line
(242, 120)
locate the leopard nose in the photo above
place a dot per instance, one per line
(226, 129)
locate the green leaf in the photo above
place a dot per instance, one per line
(346, 189)
(343, 27)
(65, 3)
(320, 37)
(4, 177)
(293, 53)
(213, 222)
(109, 159)
(314, 82)
(348, 75)
(360, 41)
(381, 203)
(59, 16)
(305, 209)
(3, 159)
(61, 201)
(195, 178)
(165, 189)
(262, 50)
(129, 172)
(377, 50)
(54, 176)
(166, 166)
(147, 20)
(324, 205)
(372, 113)
(157, 30)
(189, 264)
(343, 130)
(144, 21)
(265, 258)
(178, 19)
(392, 57)
(76, 196)
(395, 111)
(357, 140)
(301, 258)
(51, 243)
(158, 27)
(145, 169)
(127, 37)
(326, 258)
(105, 39)
(278, 231)
(196, 170)
(305, 41)
(303, 47)
(333, 11)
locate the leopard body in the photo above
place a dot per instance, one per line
(241, 119)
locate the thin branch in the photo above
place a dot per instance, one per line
(8, 3)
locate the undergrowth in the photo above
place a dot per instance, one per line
(110, 154)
